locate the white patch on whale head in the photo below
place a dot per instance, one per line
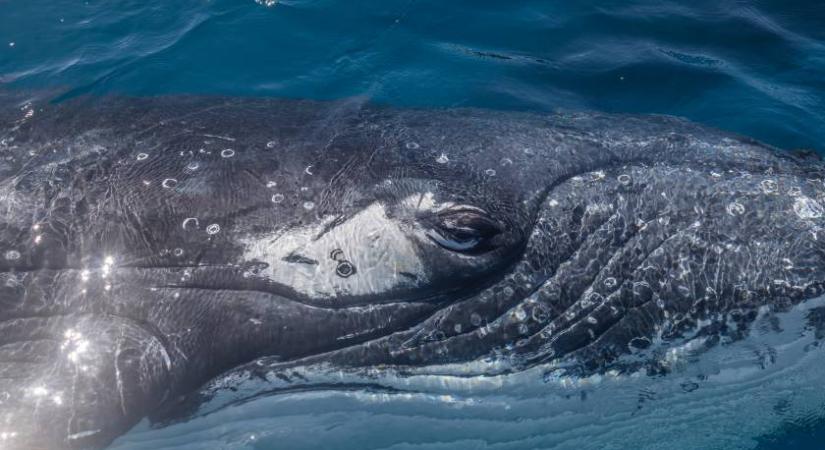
(422, 201)
(382, 253)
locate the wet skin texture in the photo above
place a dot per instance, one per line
(149, 245)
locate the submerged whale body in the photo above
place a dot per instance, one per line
(148, 245)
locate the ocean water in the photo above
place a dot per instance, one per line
(754, 67)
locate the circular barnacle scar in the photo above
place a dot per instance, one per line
(591, 299)
(540, 314)
(336, 255)
(213, 229)
(193, 165)
(412, 145)
(736, 209)
(769, 186)
(190, 222)
(277, 198)
(271, 144)
(12, 255)
(227, 153)
(490, 172)
(344, 269)
(142, 156)
(309, 205)
(169, 183)
(308, 170)
(624, 179)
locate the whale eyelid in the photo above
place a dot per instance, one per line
(464, 229)
(477, 215)
(457, 208)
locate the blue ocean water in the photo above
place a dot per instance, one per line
(754, 67)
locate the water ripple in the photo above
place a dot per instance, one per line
(705, 60)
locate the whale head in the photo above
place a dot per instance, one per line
(149, 245)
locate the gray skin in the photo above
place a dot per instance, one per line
(148, 245)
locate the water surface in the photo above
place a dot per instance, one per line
(755, 67)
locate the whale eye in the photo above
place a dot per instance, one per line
(464, 229)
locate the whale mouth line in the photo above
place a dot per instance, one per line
(234, 280)
(432, 300)
(240, 281)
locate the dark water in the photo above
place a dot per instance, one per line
(755, 67)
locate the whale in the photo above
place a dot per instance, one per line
(149, 245)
